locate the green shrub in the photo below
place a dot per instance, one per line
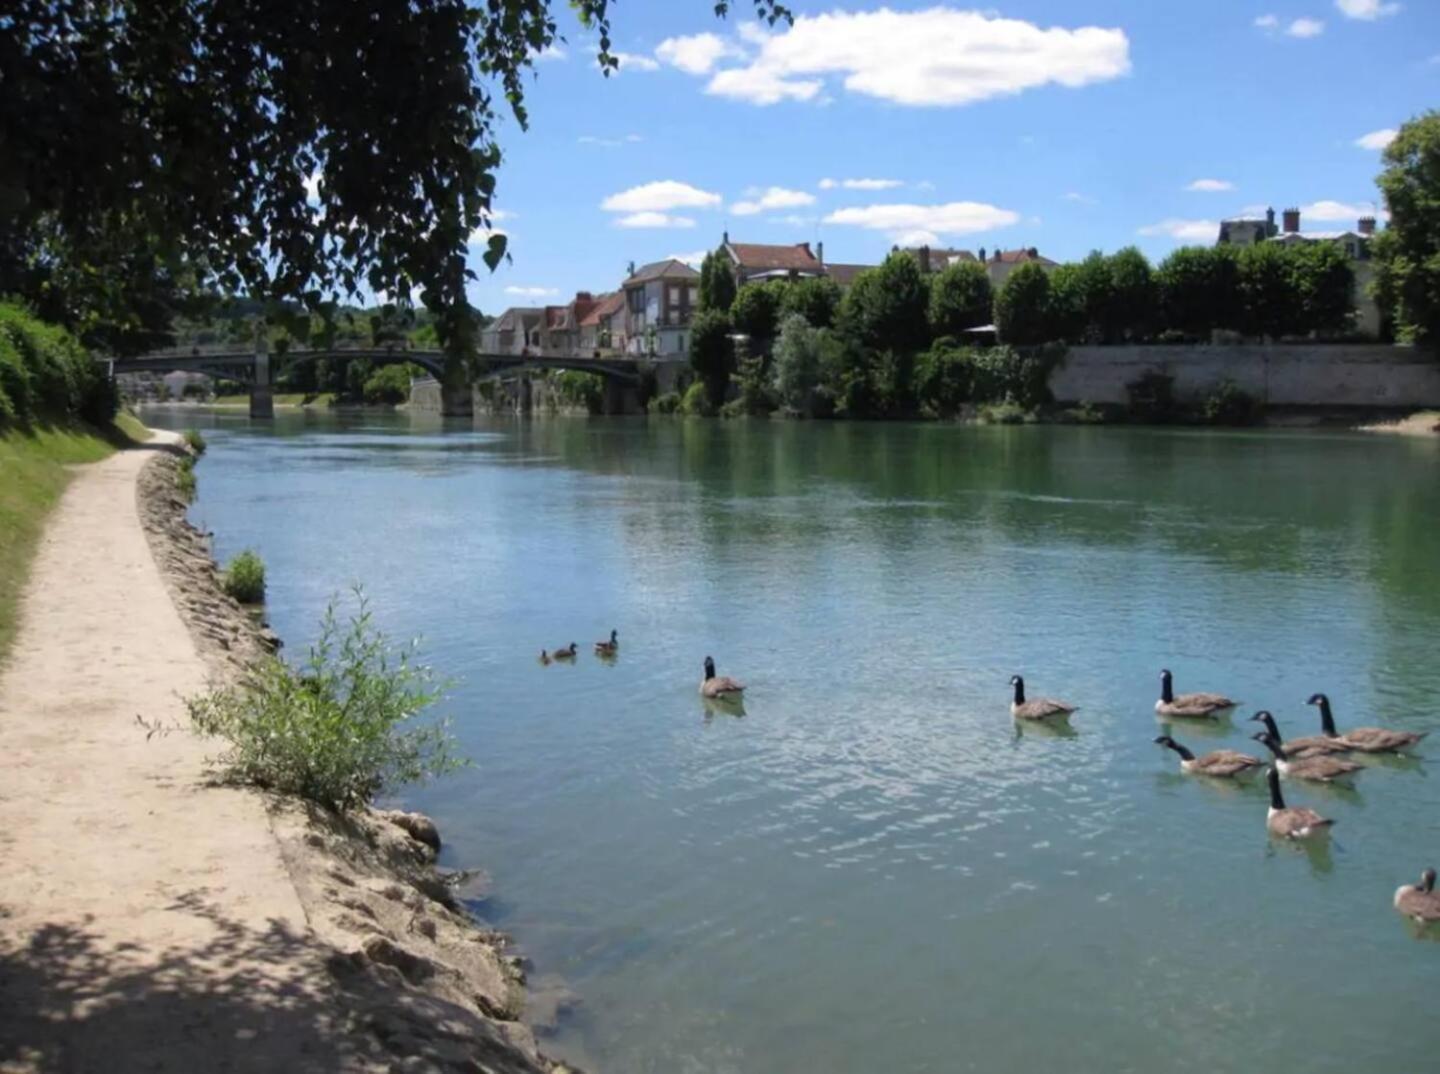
(797, 362)
(388, 386)
(1152, 397)
(1085, 413)
(1229, 404)
(697, 401)
(579, 389)
(194, 441)
(668, 403)
(1005, 375)
(1006, 414)
(338, 730)
(244, 578)
(46, 375)
(753, 381)
(712, 355)
(945, 378)
(185, 477)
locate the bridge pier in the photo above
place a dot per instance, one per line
(619, 398)
(262, 396)
(457, 395)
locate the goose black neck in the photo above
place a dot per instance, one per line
(1327, 718)
(1272, 727)
(1167, 690)
(1185, 754)
(1019, 691)
(1273, 746)
(709, 668)
(1276, 801)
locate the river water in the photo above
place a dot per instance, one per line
(871, 870)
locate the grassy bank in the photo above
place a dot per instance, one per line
(281, 399)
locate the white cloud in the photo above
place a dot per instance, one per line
(697, 54)
(608, 143)
(629, 61)
(1184, 230)
(1368, 10)
(530, 292)
(1078, 198)
(1339, 210)
(775, 197)
(1210, 186)
(796, 220)
(1305, 28)
(952, 218)
(481, 236)
(650, 218)
(692, 259)
(660, 196)
(1268, 22)
(861, 184)
(553, 54)
(918, 237)
(938, 56)
(1377, 139)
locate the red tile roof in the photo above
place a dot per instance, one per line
(758, 257)
(845, 275)
(1017, 257)
(671, 269)
(606, 306)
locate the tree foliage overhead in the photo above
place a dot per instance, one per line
(1407, 252)
(150, 146)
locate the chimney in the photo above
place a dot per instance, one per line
(1269, 223)
(1367, 225)
(820, 252)
(1034, 253)
(1292, 221)
(924, 260)
(982, 253)
(725, 238)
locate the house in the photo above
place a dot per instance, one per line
(1353, 243)
(932, 259)
(513, 331)
(998, 265)
(660, 299)
(844, 275)
(758, 261)
(602, 328)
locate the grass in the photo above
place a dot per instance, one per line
(33, 474)
(244, 578)
(300, 399)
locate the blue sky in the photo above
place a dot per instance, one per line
(1068, 125)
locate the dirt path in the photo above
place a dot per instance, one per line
(147, 921)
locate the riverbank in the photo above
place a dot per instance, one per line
(152, 920)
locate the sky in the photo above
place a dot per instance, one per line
(1067, 125)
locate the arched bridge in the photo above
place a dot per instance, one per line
(252, 366)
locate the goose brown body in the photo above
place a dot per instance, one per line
(1320, 768)
(1364, 739)
(1041, 708)
(608, 648)
(1298, 748)
(566, 653)
(1291, 823)
(719, 687)
(1199, 705)
(1420, 902)
(1222, 764)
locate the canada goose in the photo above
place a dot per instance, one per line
(719, 687)
(1225, 764)
(1365, 739)
(1291, 823)
(1042, 708)
(1189, 706)
(1320, 767)
(608, 648)
(567, 653)
(1420, 901)
(1296, 748)
(544, 658)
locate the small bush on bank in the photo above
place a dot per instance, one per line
(1230, 404)
(185, 477)
(389, 385)
(1085, 413)
(668, 403)
(1006, 414)
(338, 730)
(1152, 397)
(244, 578)
(194, 441)
(46, 375)
(697, 401)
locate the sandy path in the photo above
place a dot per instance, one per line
(147, 921)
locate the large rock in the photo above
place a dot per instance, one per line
(417, 825)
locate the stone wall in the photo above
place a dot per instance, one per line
(1319, 375)
(425, 395)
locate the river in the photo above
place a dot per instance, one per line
(872, 870)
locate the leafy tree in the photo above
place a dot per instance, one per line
(1196, 290)
(153, 149)
(1022, 308)
(712, 354)
(960, 298)
(816, 298)
(1129, 310)
(717, 283)
(888, 306)
(390, 384)
(846, 372)
(1269, 302)
(1067, 304)
(797, 362)
(1324, 287)
(1091, 296)
(944, 376)
(1407, 252)
(755, 312)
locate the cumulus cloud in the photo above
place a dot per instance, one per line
(934, 57)
(775, 197)
(1184, 230)
(481, 235)
(1349, 212)
(1268, 22)
(1367, 10)
(906, 222)
(692, 259)
(653, 219)
(660, 196)
(630, 61)
(697, 54)
(918, 237)
(1377, 139)
(1078, 198)
(860, 184)
(553, 54)
(1210, 186)
(530, 292)
(1305, 28)
(608, 143)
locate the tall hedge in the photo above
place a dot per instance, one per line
(46, 375)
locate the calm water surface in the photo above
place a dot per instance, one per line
(871, 870)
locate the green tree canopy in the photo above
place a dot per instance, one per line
(1022, 308)
(816, 298)
(1196, 289)
(756, 312)
(297, 151)
(712, 354)
(887, 307)
(1407, 252)
(717, 282)
(960, 298)
(1269, 303)
(797, 362)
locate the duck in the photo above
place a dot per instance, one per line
(1042, 708)
(544, 658)
(1224, 764)
(719, 687)
(1365, 739)
(608, 648)
(1200, 706)
(1420, 902)
(567, 653)
(1296, 748)
(1291, 823)
(1323, 768)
